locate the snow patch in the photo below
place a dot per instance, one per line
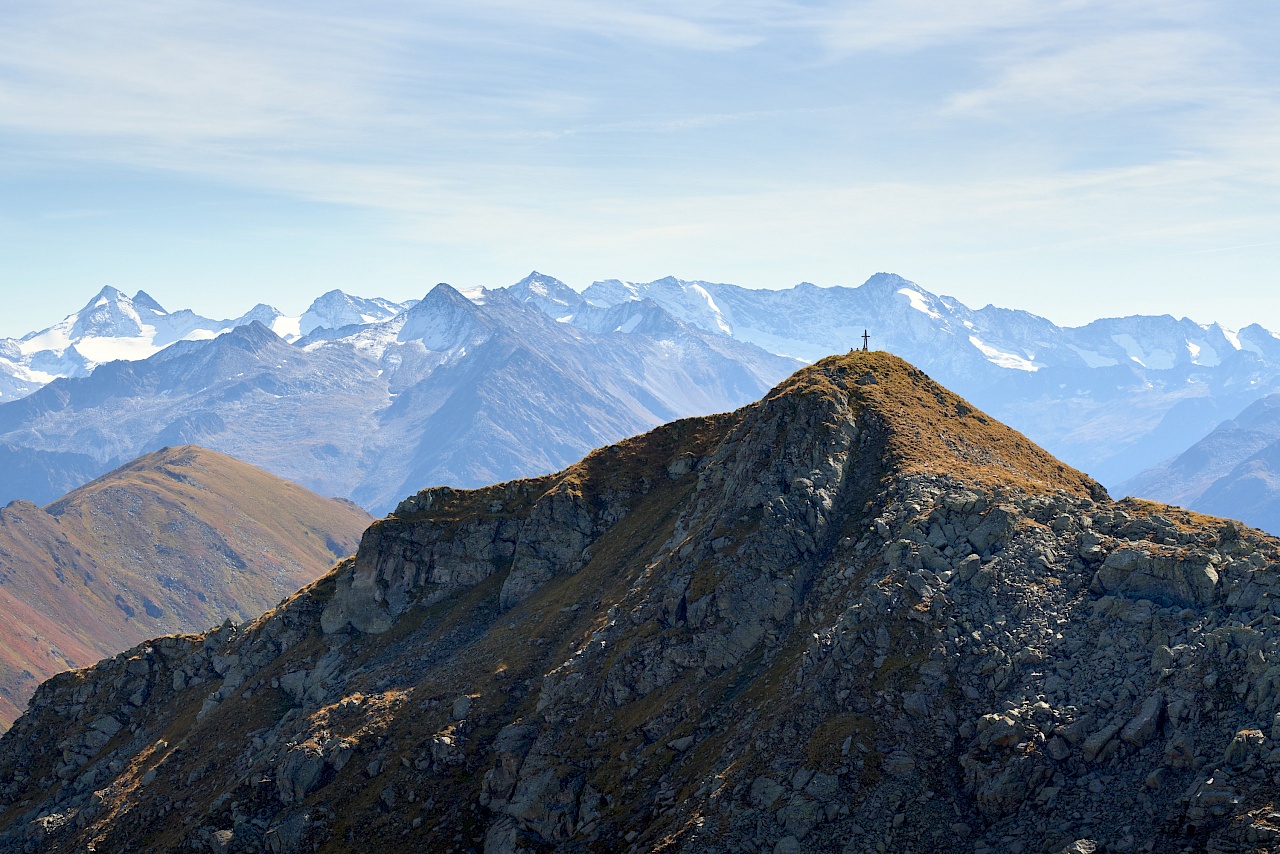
(102, 350)
(1094, 359)
(1203, 354)
(919, 304)
(1158, 359)
(288, 328)
(55, 338)
(1001, 358)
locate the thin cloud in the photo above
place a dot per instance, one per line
(913, 25)
(1103, 75)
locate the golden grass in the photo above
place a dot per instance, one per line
(932, 430)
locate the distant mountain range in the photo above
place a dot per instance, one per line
(371, 399)
(1112, 397)
(110, 327)
(1233, 472)
(449, 390)
(176, 541)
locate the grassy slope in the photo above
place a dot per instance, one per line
(176, 541)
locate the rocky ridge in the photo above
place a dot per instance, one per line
(858, 615)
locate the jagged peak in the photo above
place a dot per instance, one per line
(328, 299)
(536, 277)
(254, 333)
(442, 320)
(542, 287)
(262, 311)
(142, 299)
(441, 295)
(883, 279)
(108, 294)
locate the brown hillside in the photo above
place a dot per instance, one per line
(932, 430)
(175, 541)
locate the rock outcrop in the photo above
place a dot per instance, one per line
(856, 616)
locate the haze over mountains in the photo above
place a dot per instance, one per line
(447, 391)
(176, 541)
(1233, 472)
(111, 326)
(369, 399)
(858, 615)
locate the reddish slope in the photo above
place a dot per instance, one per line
(176, 541)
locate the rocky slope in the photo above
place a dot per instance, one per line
(177, 541)
(859, 615)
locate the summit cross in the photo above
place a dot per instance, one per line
(865, 340)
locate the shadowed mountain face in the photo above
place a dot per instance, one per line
(858, 613)
(176, 541)
(445, 392)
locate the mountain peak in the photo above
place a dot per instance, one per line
(442, 320)
(766, 630)
(110, 314)
(929, 429)
(336, 308)
(889, 280)
(108, 294)
(546, 292)
(536, 277)
(252, 336)
(144, 300)
(442, 293)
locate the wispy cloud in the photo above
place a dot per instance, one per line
(806, 135)
(911, 25)
(1140, 69)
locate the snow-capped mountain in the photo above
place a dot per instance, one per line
(449, 391)
(114, 326)
(336, 309)
(551, 295)
(1111, 397)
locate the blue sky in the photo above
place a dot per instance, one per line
(1073, 158)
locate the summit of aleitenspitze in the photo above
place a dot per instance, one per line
(857, 615)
